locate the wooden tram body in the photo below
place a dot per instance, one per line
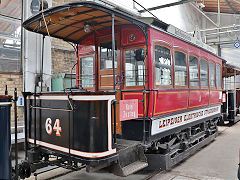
(177, 85)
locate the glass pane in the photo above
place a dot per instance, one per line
(87, 77)
(218, 76)
(180, 69)
(10, 36)
(212, 74)
(193, 71)
(106, 55)
(163, 66)
(134, 67)
(11, 8)
(204, 73)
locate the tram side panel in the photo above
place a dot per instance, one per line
(79, 127)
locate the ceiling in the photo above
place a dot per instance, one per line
(226, 6)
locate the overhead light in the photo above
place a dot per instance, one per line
(87, 28)
(36, 6)
(200, 4)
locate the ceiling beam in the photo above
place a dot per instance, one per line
(236, 1)
(208, 18)
(166, 5)
(230, 6)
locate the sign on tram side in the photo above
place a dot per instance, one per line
(128, 109)
(166, 123)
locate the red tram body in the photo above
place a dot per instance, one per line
(177, 83)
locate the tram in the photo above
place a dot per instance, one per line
(148, 94)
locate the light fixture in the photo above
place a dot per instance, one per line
(36, 6)
(87, 27)
(200, 4)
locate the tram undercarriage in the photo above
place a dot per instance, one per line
(172, 149)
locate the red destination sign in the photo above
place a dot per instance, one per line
(128, 109)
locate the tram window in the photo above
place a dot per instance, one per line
(134, 67)
(218, 76)
(204, 73)
(193, 71)
(163, 66)
(87, 79)
(212, 74)
(106, 55)
(180, 69)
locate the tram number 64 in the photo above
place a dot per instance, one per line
(56, 127)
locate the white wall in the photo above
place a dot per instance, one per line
(32, 48)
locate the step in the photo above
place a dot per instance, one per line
(134, 167)
(131, 159)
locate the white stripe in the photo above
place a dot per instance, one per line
(5, 103)
(78, 97)
(48, 97)
(72, 151)
(100, 97)
(109, 126)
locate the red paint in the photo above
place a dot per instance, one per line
(87, 45)
(157, 35)
(170, 101)
(198, 98)
(214, 97)
(193, 50)
(132, 35)
(108, 32)
(128, 109)
(139, 97)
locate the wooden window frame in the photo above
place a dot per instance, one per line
(187, 68)
(172, 69)
(90, 54)
(217, 64)
(100, 39)
(196, 56)
(123, 63)
(213, 62)
(204, 59)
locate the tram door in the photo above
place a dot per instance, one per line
(105, 64)
(105, 70)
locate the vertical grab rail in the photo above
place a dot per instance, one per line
(25, 124)
(35, 118)
(144, 119)
(16, 148)
(113, 53)
(114, 102)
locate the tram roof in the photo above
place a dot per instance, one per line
(67, 21)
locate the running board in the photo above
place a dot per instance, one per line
(166, 162)
(131, 160)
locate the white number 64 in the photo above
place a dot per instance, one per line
(56, 127)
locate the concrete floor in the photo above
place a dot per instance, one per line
(218, 160)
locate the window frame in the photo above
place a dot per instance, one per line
(90, 54)
(213, 62)
(217, 64)
(123, 66)
(100, 40)
(204, 59)
(187, 68)
(196, 56)
(172, 69)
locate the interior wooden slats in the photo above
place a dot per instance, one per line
(69, 24)
(212, 6)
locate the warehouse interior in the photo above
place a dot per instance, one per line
(31, 61)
